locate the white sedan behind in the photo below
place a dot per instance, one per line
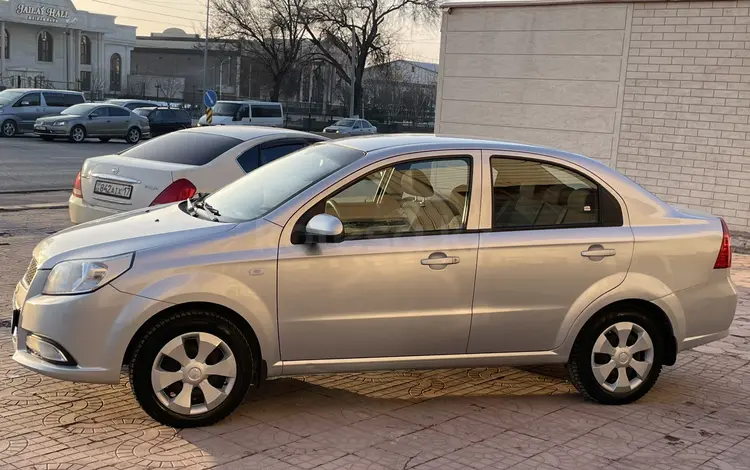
(176, 166)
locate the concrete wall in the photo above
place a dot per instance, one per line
(547, 75)
(660, 91)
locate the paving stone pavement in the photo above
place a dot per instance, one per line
(697, 417)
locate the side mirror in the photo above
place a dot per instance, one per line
(324, 228)
(91, 116)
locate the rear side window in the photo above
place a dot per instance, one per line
(181, 115)
(187, 148)
(71, 99)
(270, 154)
(530, 194)
(119, 112)
(54, 99)
(266, 111)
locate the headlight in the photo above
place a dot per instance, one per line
(59, 123)
(83, 276)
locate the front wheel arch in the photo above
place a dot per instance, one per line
(233, 316)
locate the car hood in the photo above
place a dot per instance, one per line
(61, 117)
(125, 233)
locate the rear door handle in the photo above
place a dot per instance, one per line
(598, 251)
(440, 260)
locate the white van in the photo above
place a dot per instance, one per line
(246, 113)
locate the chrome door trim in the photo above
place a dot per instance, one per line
(121, 179)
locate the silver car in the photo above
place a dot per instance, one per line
(104, 121)
(21, 107)
(351, 127)
(379, 253)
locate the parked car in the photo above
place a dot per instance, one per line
(245, 113)
(462, 253)
(175, 166)
(351, 127)
(21, 107)
(93, 120)
(133, 104)
(165, 120)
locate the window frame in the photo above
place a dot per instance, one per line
(115, 85)
(607, 198)
(19, 101)
(311, 209)
(97, 109)
(40, 57)
(6, 52)
(85, 57)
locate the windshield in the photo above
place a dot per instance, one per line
(263, 190)
(79, 109)
(9, 96)
(345, 123)
(226, 109)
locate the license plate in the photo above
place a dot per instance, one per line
(40, 128)
(122, 191)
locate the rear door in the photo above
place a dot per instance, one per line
(554, 239)
(54, 102)
(119, 121)
(136, 176)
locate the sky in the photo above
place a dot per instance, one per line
(415, 42)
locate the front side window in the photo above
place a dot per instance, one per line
(29, 100)
(419, 197)
(85, 50)
(100, 112)
(226, 109)
(45, 47)
(533, 194)
(115, 72)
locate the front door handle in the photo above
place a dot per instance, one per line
(597, 252)
(439, 260)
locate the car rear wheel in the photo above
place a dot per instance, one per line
(134, 135)
(192, 369)
(617, 357)
(9, 128)
(104, 139)
(77, 134)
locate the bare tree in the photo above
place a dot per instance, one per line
(333, 25)
(271, 34)
(169, 87)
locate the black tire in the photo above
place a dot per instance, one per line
(9, 128)
(149, 345)
(133, 136)
(580, 363)
(105, 139)
(77, 137)
(47, 138)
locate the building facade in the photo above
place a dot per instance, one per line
(51, 44)
(657, 90)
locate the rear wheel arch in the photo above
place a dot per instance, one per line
(233, 316)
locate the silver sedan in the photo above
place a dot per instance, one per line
(379, 253)
(94, 120)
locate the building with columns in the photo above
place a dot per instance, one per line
(51, 44)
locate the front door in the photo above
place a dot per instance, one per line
(29, 108)
(402, 281)
(99, 122)
(555, 240)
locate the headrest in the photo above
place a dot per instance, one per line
(416, 183)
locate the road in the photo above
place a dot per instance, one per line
(30, 164)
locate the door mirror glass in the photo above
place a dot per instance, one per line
(324, 228)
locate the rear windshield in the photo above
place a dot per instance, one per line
(142, 111)
(186, 147)
(226, 109)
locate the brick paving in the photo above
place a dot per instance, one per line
(697, 417)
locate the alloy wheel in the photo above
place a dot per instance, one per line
(193, 373)
(78, 134)
(622, 357)
(9, 129)
(134, 136)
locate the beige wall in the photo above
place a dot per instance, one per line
(660, 91)
(545, 75)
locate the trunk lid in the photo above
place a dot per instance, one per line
(124, 183)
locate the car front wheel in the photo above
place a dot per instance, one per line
(192, 369)
(617, 357)
(77, 134)
(9, 128)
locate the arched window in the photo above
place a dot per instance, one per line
(7, 44)
(85, 50)
(45, 47)
(115, 72)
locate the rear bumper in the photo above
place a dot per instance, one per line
(81, 212)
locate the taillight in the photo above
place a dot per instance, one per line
(178, 191)
(724, 260)
(77, 192)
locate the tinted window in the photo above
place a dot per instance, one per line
(272, 153)
(156, 116)
(365, 124)
(250, 159)
(71, 99)
(530, 194)
(142, 112)
(119, 112)
(189, 148)
(266, 110)
(100, 112)
(411, 202)
(182, 115)
(169, 115)
(54, 99)
(244, 111)
(32, 99)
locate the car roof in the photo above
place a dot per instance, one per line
(25, 90)
(248, 102)
(251, 132)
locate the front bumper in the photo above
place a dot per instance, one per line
(81, 212)
(53, 131)
(93, 329)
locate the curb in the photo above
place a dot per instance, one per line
(31, 207)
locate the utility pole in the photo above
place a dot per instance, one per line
(354, 73)
(205, 47)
